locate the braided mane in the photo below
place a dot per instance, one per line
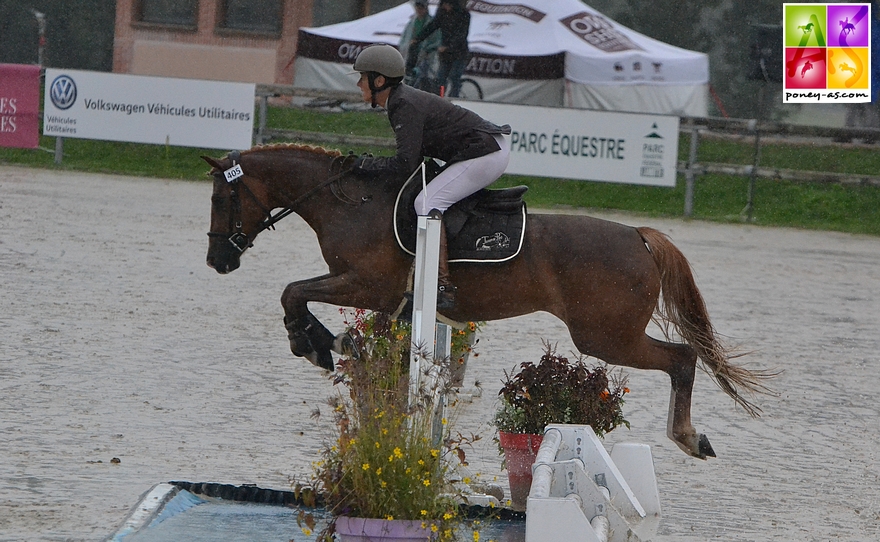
(295, 147)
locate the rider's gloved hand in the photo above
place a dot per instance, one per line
(362, 165)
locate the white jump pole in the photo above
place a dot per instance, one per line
(424, 316)
(428, 336)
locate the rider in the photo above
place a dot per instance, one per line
(475, 150)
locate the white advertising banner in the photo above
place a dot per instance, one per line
(587, 145)
(139, 109)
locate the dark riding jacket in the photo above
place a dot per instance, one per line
(425, 124)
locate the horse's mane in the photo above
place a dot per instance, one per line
(295, 147)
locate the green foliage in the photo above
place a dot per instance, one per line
(558, 391)
(116, 157)
(384, 461)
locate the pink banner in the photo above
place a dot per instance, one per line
(19, 106)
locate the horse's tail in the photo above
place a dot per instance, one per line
(682, 306)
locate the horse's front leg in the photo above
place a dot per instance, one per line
(309, 338)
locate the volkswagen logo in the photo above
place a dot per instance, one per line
(63, 92)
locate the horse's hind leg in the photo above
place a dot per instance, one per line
(677, 360)
(678, 424)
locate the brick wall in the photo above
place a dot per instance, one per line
(208, 52)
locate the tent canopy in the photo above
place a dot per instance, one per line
(556, 52)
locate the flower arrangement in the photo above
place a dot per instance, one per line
(385, 462)
(556, 390)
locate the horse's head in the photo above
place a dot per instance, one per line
(238, 213)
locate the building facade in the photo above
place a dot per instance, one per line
(228, 40)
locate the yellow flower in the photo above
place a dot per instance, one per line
(398, 453)
(384, 431)
(421, 461)
(466, 480)
(476, 536)
(425, 524)
(306, 531)
(377, 445)
(379, 471)
(435, 453)
(352, 442)
(424, 512)
(365, 466)
(447, 516)
(426, 482)
(434, 527)
(408, 470)
(383, 483)
(444, 421)
(389, 517)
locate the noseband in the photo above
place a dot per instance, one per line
(235, 235)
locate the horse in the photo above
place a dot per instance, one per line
(807, 67)
(604, 280)
(846, 67)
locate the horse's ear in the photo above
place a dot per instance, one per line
(211, 162)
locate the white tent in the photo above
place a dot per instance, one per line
(536, 52)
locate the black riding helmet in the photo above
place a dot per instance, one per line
(382, 60)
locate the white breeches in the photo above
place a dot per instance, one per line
(462, 179)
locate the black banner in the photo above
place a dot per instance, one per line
(480, 64)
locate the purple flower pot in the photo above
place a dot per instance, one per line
(381, 530)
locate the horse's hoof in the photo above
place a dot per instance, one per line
(695, 445)
(705, 449)
(345, 345)
(325, 360)
(300, 345)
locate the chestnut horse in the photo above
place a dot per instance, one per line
(603, 279)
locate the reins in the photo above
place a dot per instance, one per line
(237, 237)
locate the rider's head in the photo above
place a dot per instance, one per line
(380, 60)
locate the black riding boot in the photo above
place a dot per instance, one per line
(445, 289)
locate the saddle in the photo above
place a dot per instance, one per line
(488, 226)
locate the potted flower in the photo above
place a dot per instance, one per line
(462, 340)
(554, 390)
(385, 476)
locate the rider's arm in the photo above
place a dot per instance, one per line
(407, 121)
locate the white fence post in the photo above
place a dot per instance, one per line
(424, 316)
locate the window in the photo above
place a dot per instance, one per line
(326, 12)
(167, 12)
(259, 16)
(336, 11)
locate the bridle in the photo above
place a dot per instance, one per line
(235, 234)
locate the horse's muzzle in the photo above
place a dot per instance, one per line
(224, 263)
(224, 256)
